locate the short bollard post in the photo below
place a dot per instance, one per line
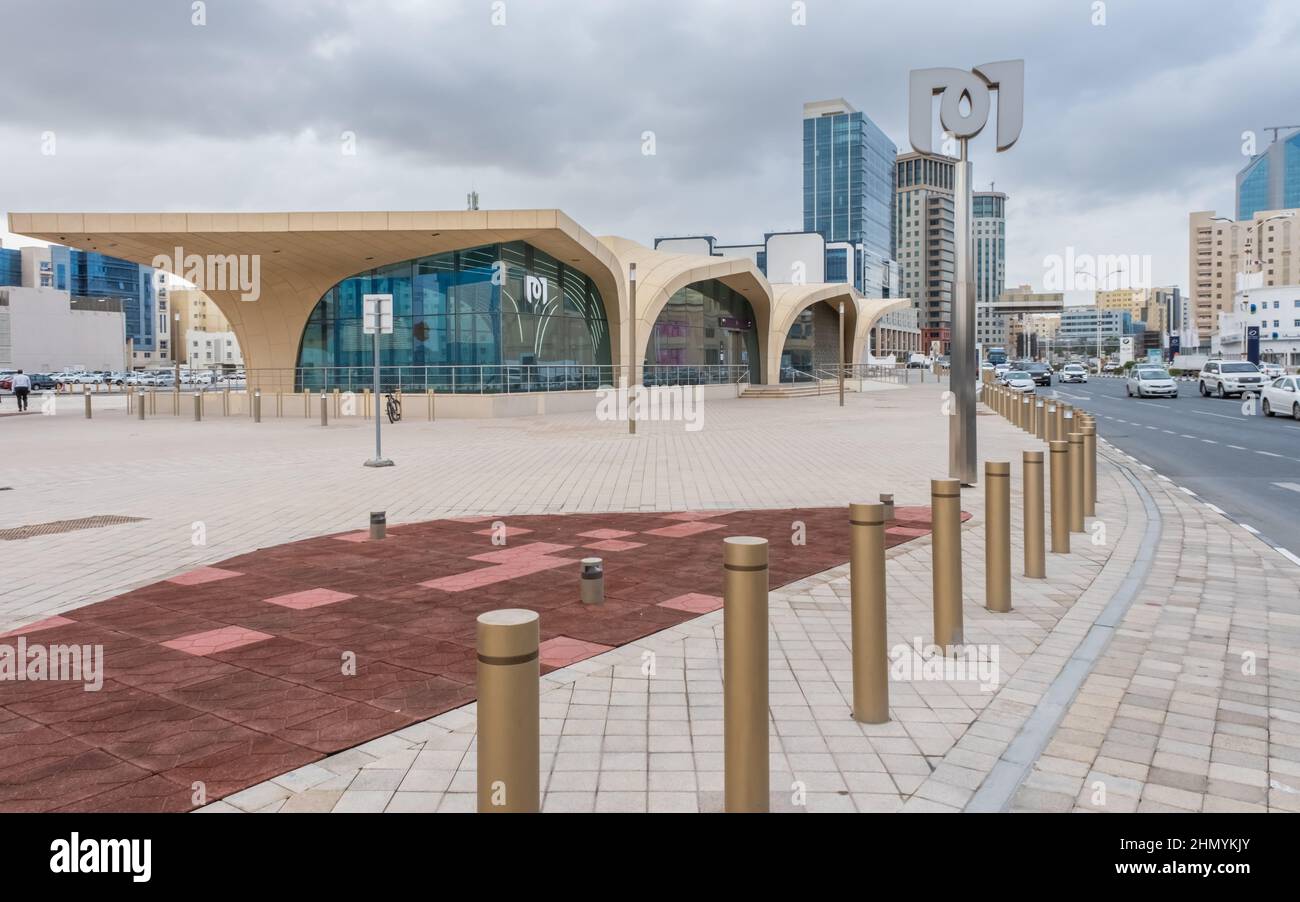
(1076, 481)
(324, 410)
(887, 500)
(257, 405)
(744, 674)
(198, 406)
(1035, 558)
(378, 524)
(1061, 408)
(1040, 418)
(139, 406)
(1027, 413)
(87, 395)
(945, 514)
(997, 537)
(1060, 475)
(509, 744)
(592, 590)
(1090, 469)
(867, 612)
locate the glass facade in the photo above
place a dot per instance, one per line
(1291, 173)
(848, 181)
(1252, 191)
(1271, 180)
(11, 267)
(705, 333)
(502, 317)
(100, 276)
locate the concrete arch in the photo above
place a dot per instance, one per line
(792, 300)
(303, 255)
(661, 275)
(871, 312)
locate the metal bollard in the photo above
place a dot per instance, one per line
(87, 396)
(430, 394)
(1035, 559)
(1061, 408)
(867, 612)
(1076, 481)
(378, 524)
(257, 406)
(324, 409)
(198, 406)
(1040, 419)
(1060, 477)
(592, 589)
(997, 536)
(509, 744)
(1027, 413)
(888, 501)
(744, 674)
(1090, 468)
(945, 515)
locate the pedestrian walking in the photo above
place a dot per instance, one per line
(22, 386)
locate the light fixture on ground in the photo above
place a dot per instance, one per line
(378, 321)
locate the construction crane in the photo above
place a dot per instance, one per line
(1278, 128)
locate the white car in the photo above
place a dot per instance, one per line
(1272, 370)
(1282, 396)
(1073, 372)
(1019, 380)
(1150, 382)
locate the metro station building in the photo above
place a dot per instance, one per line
(509, 302)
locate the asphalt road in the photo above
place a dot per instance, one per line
(1247, 467)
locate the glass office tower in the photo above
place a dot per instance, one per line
(1271, 180)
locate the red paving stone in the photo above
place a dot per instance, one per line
(226, 676)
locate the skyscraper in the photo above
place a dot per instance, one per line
(1271, 180)
(989, 253)
(848, 189)
(925, 241)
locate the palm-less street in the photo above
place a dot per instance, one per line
(1247, 466)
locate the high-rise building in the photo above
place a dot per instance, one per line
(989, 254)
(924, 241)
(1220, 250)
(848, 189)
(1271, 180)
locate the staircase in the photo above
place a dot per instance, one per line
(791, 389)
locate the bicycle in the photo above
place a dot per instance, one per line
(394, 407)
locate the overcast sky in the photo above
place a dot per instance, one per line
(1128, 125)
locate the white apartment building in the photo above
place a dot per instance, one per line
(1220, 249)
(1275, 309)
(43, 330)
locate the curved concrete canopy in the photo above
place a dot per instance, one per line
(303, 255)
(791, 300)
(659, 276)
(872, 310)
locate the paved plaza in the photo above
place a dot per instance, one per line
(1152, 669)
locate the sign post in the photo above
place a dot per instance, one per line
(378, 321)
(955, 86)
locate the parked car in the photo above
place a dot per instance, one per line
(1150, 382)
(1282, 396)
(1073, 372)
(1041, 373)
(1223, 378)
(1019, 380)
(43, 382)
(1272, 370)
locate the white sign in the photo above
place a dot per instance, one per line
(378, 306)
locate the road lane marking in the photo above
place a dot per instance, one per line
(1293, 486)
(1268, 453)
(1209, 441)
(1214, 507)
(1168, 432)
(1221, 416)
(1238, 448)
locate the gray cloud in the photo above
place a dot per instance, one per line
(1129, 126)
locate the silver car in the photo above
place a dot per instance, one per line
(1149, 382)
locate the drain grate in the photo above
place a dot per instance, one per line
(57, 526)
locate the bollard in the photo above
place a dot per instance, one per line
(324, 409)
(1040, 419)
(1027, 413)
(87, 396)
(888, 501)
(592, 589)
(945, 515)
(744, 674)
(1035, 559)
(997, 536)
(378, 525)
(867, 612)
(1076, 481)
(1060, 477)
(509, 745)
(198, 406)
(1061, 408)
(257, 405)
(1090, 469)
(139, 406)
(337, 402)
(429, 392)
